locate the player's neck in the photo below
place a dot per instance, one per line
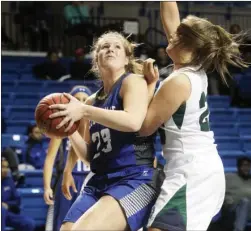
(109, 79)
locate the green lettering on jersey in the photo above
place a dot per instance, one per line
(204, 123)
(179, 115)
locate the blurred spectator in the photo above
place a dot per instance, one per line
(214, 82)
(240, 86)
(6, 40)
(79, 68)
(10, 155)
(77, 17)
(235, 29)
(36, 152)
(163, 61)
(11, 203)
(34, 20)
(76, 12)
(237, 208)
(51, 69)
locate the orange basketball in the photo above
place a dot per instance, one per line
(48, 125)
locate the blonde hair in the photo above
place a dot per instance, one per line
(134, 65)
(212, 46)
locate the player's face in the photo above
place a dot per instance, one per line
(4, 169)
(81, 96)
(177, 53)
(111, 54)
(172, 49)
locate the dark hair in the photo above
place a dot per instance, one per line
(51, 51)
(30, 128)
(242, 159)
(212, 46)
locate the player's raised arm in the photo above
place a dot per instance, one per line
(170, 17)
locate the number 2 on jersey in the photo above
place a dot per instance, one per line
(105, 137)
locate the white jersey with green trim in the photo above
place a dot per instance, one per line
(188, 130)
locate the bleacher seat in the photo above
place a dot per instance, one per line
(29, 86)
(9, 86)
(226, 115)
(10, 67)
(246, 142)
(27, 76)
(21, 113)
(5, 110)
(218, 101)
(54, 86)
(230, 169)
(7, 98)
(10, 76)
(33, 178)
(244, 115)
(224, 129)
(33, 205)
(228, 143)
(27, 99)
(229, 158)
(245, 128)
(18, 127)
(13, 140)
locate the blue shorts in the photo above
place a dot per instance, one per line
(136, 190)
(61, 204)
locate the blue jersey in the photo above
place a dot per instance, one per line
(79, 168)
(111, 150)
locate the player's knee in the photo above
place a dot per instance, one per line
(28, 224)
(66, 226)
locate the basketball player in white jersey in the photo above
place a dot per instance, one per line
(194, 187)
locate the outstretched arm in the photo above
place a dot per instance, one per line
(170, 17)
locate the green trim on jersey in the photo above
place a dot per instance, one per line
(204, 123)
(177, 203)
(178, 116)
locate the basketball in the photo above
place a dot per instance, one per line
(48, 125)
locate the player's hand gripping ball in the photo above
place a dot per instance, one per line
(48, 125)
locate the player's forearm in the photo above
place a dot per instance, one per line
(71, 160)
(151, 89)
(116, 119)
(48, 169)
(170, 17)
(79, 150)
(49, 161)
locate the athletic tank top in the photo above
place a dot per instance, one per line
(188, 130)
(111, 150)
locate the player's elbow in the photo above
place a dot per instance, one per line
(134, 127)
(146, 130)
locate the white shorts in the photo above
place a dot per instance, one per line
(191, 195)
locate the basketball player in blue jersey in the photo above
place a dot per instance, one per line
(62, 205)
(122, 187)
